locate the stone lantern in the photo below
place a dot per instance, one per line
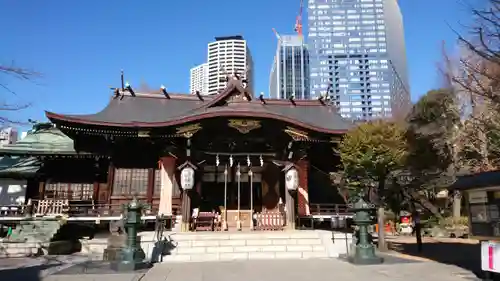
(364, 249)
(131, 256)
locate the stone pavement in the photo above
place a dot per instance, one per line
(281, 270)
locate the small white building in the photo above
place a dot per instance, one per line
(8, 136)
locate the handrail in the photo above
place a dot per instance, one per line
(328, 209)
(72, 209)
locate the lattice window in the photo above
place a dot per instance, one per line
(130, 182)
(82, 191)
(157, 188)
(70, 191)
(56, 190)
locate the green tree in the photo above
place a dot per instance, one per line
(369, 154)
(432, 163)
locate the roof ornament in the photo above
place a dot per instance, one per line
(230, 160)
(217, 162)
(122, 80)
(261, 161)
(292, 99)
(117, 92)
(236, 76)
(261, 98)
(129, 89)
(249, 163)
(244, 81)
(325, 97)
(164, 91)
(198, 94)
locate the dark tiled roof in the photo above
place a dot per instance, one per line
(155, 110)
(45, 140)
(19, 166)
(477, 180)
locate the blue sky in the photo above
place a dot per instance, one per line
(81, 46)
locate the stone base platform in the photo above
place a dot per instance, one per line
(228, 246)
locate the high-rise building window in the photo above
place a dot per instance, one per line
(357, 51)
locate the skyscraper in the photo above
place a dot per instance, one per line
(357, 53)
(225, 56)
(290, 70)
(198, 80)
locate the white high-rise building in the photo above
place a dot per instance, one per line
(199, 79)
(8, 136)
(227, 55)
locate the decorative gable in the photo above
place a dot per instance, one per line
(235, 91)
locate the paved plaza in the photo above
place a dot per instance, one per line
(272, 270)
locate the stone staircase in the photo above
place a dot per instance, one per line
(224, 246)
(39, 231)
(31, 237)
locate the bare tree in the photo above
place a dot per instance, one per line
(12, 71)
(474, 77)
(481, 65)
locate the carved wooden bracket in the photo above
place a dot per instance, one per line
(189, 130)
(297, 135)
(244, 126)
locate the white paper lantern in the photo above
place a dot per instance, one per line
(292, 179)
(187, 178)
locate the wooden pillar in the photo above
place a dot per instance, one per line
(303, 189)
(290, 209)
(167, 177)
(111, 178)
(41, 189)
(186, 210)
(95, 194)
(151, 186)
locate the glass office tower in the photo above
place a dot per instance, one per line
(290, 70)
(357, 53)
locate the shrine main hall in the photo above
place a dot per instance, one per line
(233, 154)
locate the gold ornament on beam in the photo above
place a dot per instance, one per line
(189, 130)
(244, 126)
(144, 134)
(296, 135)
(335, 140)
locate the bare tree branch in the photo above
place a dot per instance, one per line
(477, 79)
(20, 74)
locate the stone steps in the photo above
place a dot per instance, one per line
(36, 230)
(228, 246)
(248, 246)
